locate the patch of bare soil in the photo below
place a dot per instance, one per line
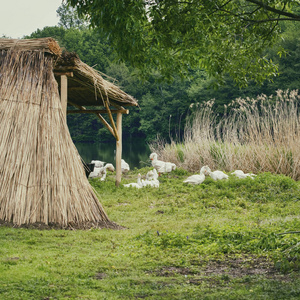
(229, 267)
(100, 276)
(70, 226)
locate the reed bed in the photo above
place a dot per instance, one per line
(42, 177)
(257, 135)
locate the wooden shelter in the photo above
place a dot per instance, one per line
(42, 177)
(82, 86)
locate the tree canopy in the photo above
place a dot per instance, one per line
(170, 101)
(174, 36)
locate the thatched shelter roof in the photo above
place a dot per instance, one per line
(42, 179)
(87, 87)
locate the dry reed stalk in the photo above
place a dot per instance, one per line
(259, 135)
(42, 177)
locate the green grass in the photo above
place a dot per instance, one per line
(218, 240)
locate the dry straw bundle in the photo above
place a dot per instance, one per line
(45, 44)
(42, 177)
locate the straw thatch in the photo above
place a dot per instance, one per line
(48, 45)
(87, 87)
(42, 179)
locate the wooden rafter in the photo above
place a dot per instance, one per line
(97, 111)
(69, 74)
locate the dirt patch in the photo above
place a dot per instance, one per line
(229, 267)
(100, 276)
(236, 267)
(70, 226)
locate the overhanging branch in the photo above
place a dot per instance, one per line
(291, 16)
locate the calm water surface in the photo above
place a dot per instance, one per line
(135, 152)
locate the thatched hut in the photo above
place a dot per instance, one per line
(42, 177)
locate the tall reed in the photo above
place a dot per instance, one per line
(257, 135)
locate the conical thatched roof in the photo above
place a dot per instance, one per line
(42, 179)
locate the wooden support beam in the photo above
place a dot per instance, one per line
(64, 93)
(83, 109)
(111, 120)
(98, 111)
(106, 125)
(76, 105)
(119, 150)
(77, 88)
(70, 74)
(59, 69)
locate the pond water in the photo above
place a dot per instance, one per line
(134, 152)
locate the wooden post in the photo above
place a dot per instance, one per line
(119, 150)
(64, 93)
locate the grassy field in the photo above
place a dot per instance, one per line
(234, 239)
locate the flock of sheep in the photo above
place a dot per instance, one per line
(160, 167)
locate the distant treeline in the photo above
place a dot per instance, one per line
(164, 106)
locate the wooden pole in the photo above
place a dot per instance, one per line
(119, 150)
(64, 94)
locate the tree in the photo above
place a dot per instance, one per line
(164, 106)
(221, 36)
(68, 17)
